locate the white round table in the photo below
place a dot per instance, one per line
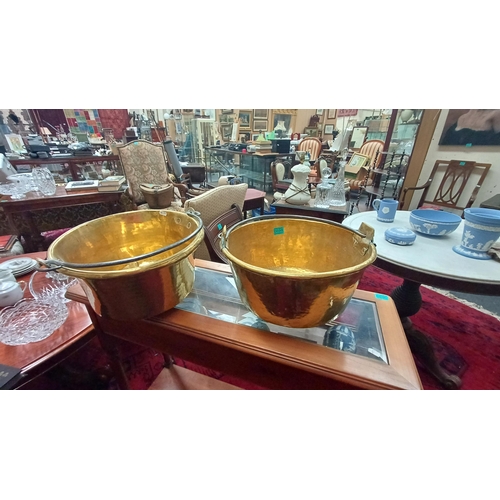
(430, 261)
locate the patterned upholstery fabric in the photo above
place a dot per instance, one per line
(143, 161)
(214, 203)
(370, 148)
(311, 144)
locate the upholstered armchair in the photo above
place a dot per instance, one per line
(313, 145)
(145, 162)
(370, 149)
(212, 204)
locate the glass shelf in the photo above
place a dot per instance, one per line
(215, 295)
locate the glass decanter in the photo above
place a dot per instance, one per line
(44, 180)
(338, 192)
(324, 189)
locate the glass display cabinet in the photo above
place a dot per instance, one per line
(402, 137)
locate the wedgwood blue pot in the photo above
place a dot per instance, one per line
(481, 230)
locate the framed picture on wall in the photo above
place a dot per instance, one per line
(328, 129)
(245, 118)
(471, 127)
(311, 132)
(227, 131)
(260, 125)
(286, 116)
(15, 143)
(332, 113)
(260, 113)
(319, 112)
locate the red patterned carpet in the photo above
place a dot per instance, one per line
(467, 342)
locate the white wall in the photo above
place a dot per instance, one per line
(481, 154)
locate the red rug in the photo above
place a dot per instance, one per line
(467, 343)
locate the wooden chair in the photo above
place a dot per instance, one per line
(212, 204)
(280, 176)
(145, 162)
(453, 185)
(213, 231)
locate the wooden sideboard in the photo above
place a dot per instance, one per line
(72, 165)
(25, 215)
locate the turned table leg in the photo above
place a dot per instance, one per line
(111, 349)
(408, 301)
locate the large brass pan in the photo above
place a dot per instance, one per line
(132, 265)
(296, 271)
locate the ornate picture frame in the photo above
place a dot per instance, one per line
(286, 115)
(245, 119)
(331, 114)
(311, 131)
(260, 125)
(356, 162)
(261, 114)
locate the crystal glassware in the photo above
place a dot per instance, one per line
(44, 180)
(30, 320)
(324, 189)
(338, 192)
(50, 286)
(12, 189)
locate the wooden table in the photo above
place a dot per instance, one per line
(36, 358)
(254, 199)
(336, 214)
(72, 163)
(429, 261)
(36, 202)
(272, 360)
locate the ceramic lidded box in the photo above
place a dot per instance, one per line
(400, 236)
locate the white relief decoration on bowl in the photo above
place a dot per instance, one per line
(495, 229)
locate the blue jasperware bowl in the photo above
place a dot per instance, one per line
(434, 222)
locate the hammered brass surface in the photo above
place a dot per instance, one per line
(140, 289)
(296, 272)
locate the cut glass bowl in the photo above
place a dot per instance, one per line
(30, 320)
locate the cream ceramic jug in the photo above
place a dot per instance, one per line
(10, 292)
(6, 275)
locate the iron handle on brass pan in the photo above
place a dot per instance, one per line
(52, 264)
(365, 231)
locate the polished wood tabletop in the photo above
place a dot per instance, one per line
(61, 198)
(37, 357)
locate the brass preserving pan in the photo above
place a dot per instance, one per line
(132, 265)
(296, 271)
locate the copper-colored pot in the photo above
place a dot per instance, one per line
(132, 265)
(296, 271)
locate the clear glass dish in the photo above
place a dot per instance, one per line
(30, 320)
(14, 190)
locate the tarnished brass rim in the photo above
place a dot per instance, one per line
(306, 275)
